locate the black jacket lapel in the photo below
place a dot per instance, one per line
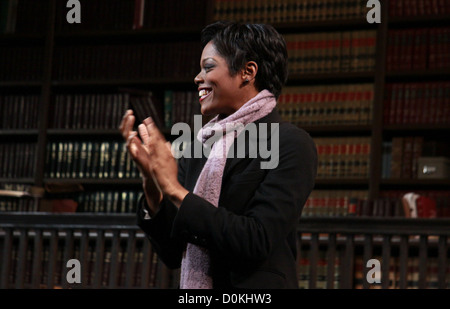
(272, 117)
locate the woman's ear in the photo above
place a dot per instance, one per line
(249, 72)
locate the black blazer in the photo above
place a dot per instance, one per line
(252, 234)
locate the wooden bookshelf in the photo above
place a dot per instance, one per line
(47, 86)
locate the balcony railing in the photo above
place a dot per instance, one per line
(114, 253)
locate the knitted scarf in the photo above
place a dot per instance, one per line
(195, 265)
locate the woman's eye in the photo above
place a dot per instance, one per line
(208, 68)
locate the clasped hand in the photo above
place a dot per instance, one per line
(153, 156)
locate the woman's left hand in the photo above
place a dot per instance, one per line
(160, 162)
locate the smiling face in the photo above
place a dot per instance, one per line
(219, 91)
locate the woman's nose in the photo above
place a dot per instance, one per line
(198, 79)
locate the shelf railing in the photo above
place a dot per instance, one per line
(114, 253)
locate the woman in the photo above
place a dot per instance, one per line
(227, 222)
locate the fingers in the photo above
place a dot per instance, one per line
(144, 134)
(124, 119)
(127, 123)
(153, 130)
(132, 142)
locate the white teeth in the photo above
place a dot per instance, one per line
(203, 92)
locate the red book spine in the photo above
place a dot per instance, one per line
(432, 48)
(433, 106)
(420, 49)
(419, 103)
(357, 160)
(399, 104)
(413, 103)
(387, 104)
(440, 116)
(406, 103)
(446, 102)
(426, 96)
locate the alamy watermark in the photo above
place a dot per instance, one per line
(74, 14)
(74, 274)
(374, 273)
(374, 14)
(249, 141)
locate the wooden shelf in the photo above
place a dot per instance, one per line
(162, 34)
(419, 21)
(342, 182)
(92, 181)
(17, 180)
(163, 81)
(84, 132)
(323, 25)
(331, 77)
(336, 129)
(417, 183)
(418, 75)
(21, 84)
(416, 127)
(22, 38)
(19, 132)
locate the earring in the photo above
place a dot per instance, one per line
(246, 81)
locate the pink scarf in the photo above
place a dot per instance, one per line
(195, 266)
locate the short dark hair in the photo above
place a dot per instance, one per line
(239, 43)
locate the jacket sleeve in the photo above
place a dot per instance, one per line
(271, 214)
(159, 227)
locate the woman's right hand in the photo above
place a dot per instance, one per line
(138, 153)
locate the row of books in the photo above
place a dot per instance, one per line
(23, 16)
(333, 203)
(103, 110)
(412, 272)
(324, 52)
(414, 103)
(418, 48)
(180, 106)
(97, 15)
(17, 160)
(126, 15)
(17, 197)
(343, 157)
(17, 204)
(108, 201)
(89, 159)
(304, 266)
(282, 11)
(441, 199)
(21, 63)
(18, 187)
(327, 104)
(145, 270)
(400, 157)
(19, 111)
(123, 62)
(359, 270)
(342, 203)
(88, 111)
(401, 8)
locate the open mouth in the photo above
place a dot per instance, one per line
(204, 93)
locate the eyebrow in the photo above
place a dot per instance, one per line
(209, 58)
